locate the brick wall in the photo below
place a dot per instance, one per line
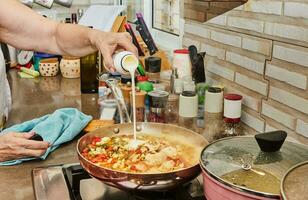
(260, 50)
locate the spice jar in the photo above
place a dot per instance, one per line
(172, 109)
(188, 109)
(232, 116)
(213, 113)
(158, 101)
(140, 105)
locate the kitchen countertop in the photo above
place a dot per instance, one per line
(33, 98)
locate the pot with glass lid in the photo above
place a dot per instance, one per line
(249, 167)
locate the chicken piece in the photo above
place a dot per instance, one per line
(167, 166)
(141, 167)
(170, 152)
(155, 159)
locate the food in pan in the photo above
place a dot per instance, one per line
(153, 154)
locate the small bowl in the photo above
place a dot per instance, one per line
(49, 67)
(70, 67)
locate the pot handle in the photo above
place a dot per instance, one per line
(271, 141)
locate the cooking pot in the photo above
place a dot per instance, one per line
(145, 181)
(234, 167)
(294, 184)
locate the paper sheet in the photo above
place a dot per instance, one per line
(101, 17)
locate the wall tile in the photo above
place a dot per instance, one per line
(213, 51)
(226, 38)
(287, 76)
(219, 70)
(245, 23)
(197, 29)
(296, 9)
(291, 53)
(219, 20)
(275, 113)
(254, 122)
(302, 127)
(258, 45)
(287, 31)
(250, 83)
(245, 62)
(264, 6)
(289, 99)
(187, 41)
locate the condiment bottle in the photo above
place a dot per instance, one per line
(188, 109)
(88, 73)
(153, 67)
(172, 109)
(124, 60)
(213, 113)
(140, 105)
(158, 100)
(74, 18)
(232, 115)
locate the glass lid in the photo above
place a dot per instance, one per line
(239, 162)
(295, 183)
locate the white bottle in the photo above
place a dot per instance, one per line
(125, 62)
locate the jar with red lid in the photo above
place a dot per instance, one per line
(232, 116)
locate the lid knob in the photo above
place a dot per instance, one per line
(271, 141)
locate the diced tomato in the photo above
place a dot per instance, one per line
(92, 146)
(138, 151)
(133, 167)
(95, 140)
(86, 150)
(102, 156)
(110, 148)
(113, 161)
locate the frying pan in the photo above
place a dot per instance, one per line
(145, 181)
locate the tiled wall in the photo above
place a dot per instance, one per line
(260, 50)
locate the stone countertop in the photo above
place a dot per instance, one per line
(33, 98)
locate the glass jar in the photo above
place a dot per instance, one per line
(172, 109)
(158, 101)
(88, 73)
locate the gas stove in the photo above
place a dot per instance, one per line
(72, 182)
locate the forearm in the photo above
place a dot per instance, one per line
(25, 29)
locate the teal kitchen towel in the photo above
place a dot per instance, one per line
(56, 128)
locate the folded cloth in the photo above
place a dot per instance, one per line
(56, 128)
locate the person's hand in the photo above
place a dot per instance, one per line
(108, 43)
(17, 145)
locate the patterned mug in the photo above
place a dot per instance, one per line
(70, 67)
(49, 67)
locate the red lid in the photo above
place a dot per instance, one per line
(181, 51)
(142, 78)
(127, 26)
(232, 120)
(234, 97)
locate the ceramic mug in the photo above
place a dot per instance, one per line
(70, 67)
(49, 67)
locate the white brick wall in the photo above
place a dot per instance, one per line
(219, 70)
(252, 121)
(247, 24)
(196, 29)
(225, 38)
(296, 9)
(219, 20)
(287, 76)
(187, 41)
(284, 118)
(258, 45)
(302, 127)
(286, 31)
(251, 83)
(213, 51)
(289, 99)
(245, 62)
(264, 6)
(291, 53)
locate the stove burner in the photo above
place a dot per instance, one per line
(81, 186)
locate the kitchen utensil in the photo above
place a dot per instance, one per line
(24, 57)
(149, 181)
(70, 67)
(242, 154)
(197, 62)
(49, 67)
(295, 183)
